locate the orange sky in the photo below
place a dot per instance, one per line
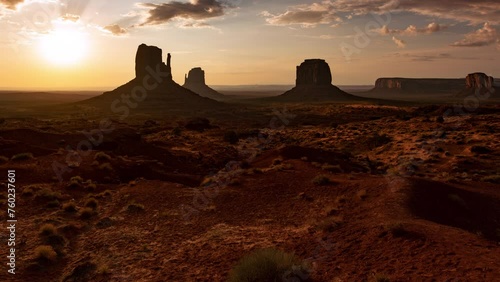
(81, 45)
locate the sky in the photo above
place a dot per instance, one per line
(91, 44)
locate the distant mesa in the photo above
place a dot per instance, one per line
(314, 83)
(195, 81)
(152, 89)
(479, 83)
(479, 80)
(418, 85)
(314, 72)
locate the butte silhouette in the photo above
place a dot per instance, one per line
(152, 90)
(195, 81)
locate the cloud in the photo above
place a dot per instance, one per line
(399, 42)
(474, 12)
(485, 36)
(413, 30)
(194, 10)
(304, 15)
(115, 29)
(11, 4)
(430, 57)
(70, 17)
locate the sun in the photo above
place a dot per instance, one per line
(64, 46)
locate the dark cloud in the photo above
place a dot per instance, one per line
(194, 10)
(485, 36)
(475, 12)
(115, 29)
(11, 4)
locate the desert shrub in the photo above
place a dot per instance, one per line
(332, 168)
(269, 265)
(22, 157)
(91, 203)
(397, 229)
(381, 278)
(378, 140)
(47, 230)
(106, 167)
(362, 194)
(329, 224)
(87, 213)
(54, 204)
(75, 182)
(3, 159)
(103, 269)
(47, 194)
(69, 207)
(492, 179)
(102, 157)
(277, 161)
(322, 180)
(177, 131)
(440, 119)
(27, 192)
(134, 207)
(198, 124)
(457, 200)
(45, 252)
(231, 137)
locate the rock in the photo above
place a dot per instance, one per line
(195, 81)
(195, 76)
(150, 57)
(479, 80)
(314, 72)
(314, 84)
(418, 85)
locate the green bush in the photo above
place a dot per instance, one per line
(102, 157)
(3, 159)
(231, 137)
(91, 203)
(268, 265)
(322, 180)
(22, 157)
(45, 253)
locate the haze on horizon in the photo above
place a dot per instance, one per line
(90, 44)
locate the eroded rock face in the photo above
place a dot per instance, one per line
(314, 72)
(150, 58)
(195, 76)
(479, 80)
(386, 83)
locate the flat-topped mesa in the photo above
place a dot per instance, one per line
(389, 83)
(148, 60)
(314, 72)
(196, 76)
(479, 80)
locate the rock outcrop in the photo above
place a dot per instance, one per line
(195, 81)
(480, 84)
(149, 59)
(418, 85)
(314, 72)
(314, 83)
(479, 80)
(152, 90)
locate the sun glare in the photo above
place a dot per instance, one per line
(64, 46)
